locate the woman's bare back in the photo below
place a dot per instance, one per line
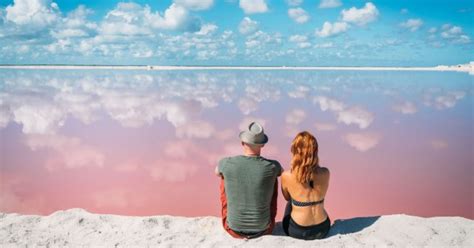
(307, 215)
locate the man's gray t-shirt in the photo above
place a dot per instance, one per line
(249, 183)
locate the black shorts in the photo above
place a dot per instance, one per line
(292, 229)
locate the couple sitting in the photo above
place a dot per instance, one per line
(249, 189)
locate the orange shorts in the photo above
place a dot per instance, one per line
(273, 211)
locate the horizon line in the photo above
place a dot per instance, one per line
(459, 67)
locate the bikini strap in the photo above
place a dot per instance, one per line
(305, 204)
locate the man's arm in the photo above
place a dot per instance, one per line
(216, 171)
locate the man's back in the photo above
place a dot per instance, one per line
(249, 187)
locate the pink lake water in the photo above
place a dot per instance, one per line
(147, 142)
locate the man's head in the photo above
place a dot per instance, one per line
(251, 149)
(253, 139)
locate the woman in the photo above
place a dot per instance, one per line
(304, 187)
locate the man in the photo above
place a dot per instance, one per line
(249, 187)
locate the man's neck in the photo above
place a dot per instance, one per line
(251, 154)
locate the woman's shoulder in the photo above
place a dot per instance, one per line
(286, 175)
(322, 170)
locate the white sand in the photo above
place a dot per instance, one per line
(461, 68)
(77, 227)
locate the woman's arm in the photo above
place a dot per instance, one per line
(284, 185)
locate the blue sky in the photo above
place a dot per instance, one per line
(237, 32)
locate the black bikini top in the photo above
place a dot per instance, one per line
(306, 204)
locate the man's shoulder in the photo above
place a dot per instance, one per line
(273, 161)
(230, 158)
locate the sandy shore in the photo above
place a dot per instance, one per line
(462, 68)
(77, 227)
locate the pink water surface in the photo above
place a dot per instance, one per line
(142, 143)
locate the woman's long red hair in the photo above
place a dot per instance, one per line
(305, 160)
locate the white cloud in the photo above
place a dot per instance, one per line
(175, 17)
(144, 53)
(36, 13)
(324, 45)
(329, 4)
(298, 15)
(298, 38)
(38, 117)
(450, 31)
(207, 29)
(131, 19)
(248, 26)
(126, 19)
(132, 110)
(5, 115)
(259, 40)
(405, 108)
(362, 16)
(294, 2)
(253, 6)
(252, 43)
(321, 126)
(362, 141)
(462, 39)
(432, 30)
(357, 116)
(326, 103)
(304, 45)
(448, 100)
(412, 24)
(455, 34)
(195, 4)
(330, 29)
(247, 105)
(69, 152)
(182, 159)
(300, 91)
(44, 108)
(75, 25)
(295, 116)
(68, 33)
(195, 129)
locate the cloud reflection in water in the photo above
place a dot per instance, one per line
(149, 137)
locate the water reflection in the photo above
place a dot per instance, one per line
(143, 143)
